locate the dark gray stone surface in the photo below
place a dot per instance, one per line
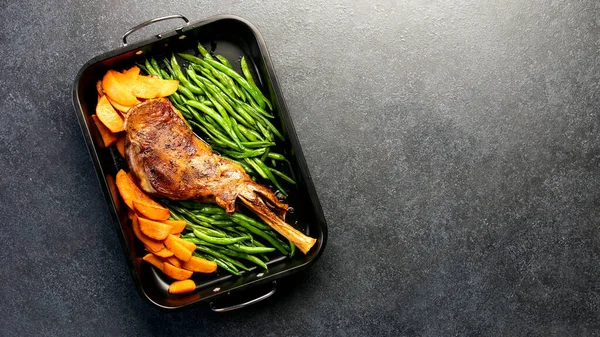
(455, 147)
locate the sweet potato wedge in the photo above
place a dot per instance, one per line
(177, 226)
(129, 190)
(179, 250)
(151, 211)
(182, 287)
(145, 87)
(132, 72)
(119, 107)
(151, 244)
(154, 260)
(200, 265)
(108, 137)
(188, 245)
(109, 116)
(117, 86)
(154, 229)
(120, 145)
(163, 252)
(176, 273)
(175, 261)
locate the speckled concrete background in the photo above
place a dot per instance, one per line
(454, 145)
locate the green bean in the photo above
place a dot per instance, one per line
(210, 112)
(143, 68)
(221, 137)
(251, 250)
(186, 92)
(282, 175)
(216, 240)
(221, 256)
(256, 94)
(246, 71)
(154, 65)
(263, 235)
(224, 60)
(256, 168)
(268, 135)
(245, 256)
(245, 154)
(250, 134)
(203, 52)
(165, 75)
(207, 75)
(257, 144)
(190, 58)
(223, 264)
(264, 156)
(276, 156)
(208, 231)
(251, 221)
(270, 175)
(292, 248)
(237, 131)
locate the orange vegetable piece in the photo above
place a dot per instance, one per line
(200, 265)
(176, 273)
(177, 226)
(109, 116)
(179, 250)
(154, 229)
(117, 86)
(189, 245)
(174, 261)
(150, 211)
(108, 138)
(151, 244)
(155, 261)
(132, 72)
(129, 190)
(120, 145)
(182, 287)
(119, 107)
(163, 252)
(144, 87)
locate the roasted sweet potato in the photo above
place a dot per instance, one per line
(179, 250)
(151, 87)
(119, 107)
(143, 87)
(182, 287)
(117, 86)
(154, 229)
(200, 265)
(132, 72)
(188, 245)
(109, 116)
(151, 244)
(154, 260)
(175, 261)
(163, 252)
(176, 273)
(129, 191)
(151, 211)
(108, 138)
(177, 226)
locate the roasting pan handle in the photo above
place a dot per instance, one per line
(149, 22)
(245, 304)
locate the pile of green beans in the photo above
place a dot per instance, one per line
(229, 240)
(228, 108)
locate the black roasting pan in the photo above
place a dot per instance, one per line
(232, 37)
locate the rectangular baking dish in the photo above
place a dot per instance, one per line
(232, 37)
